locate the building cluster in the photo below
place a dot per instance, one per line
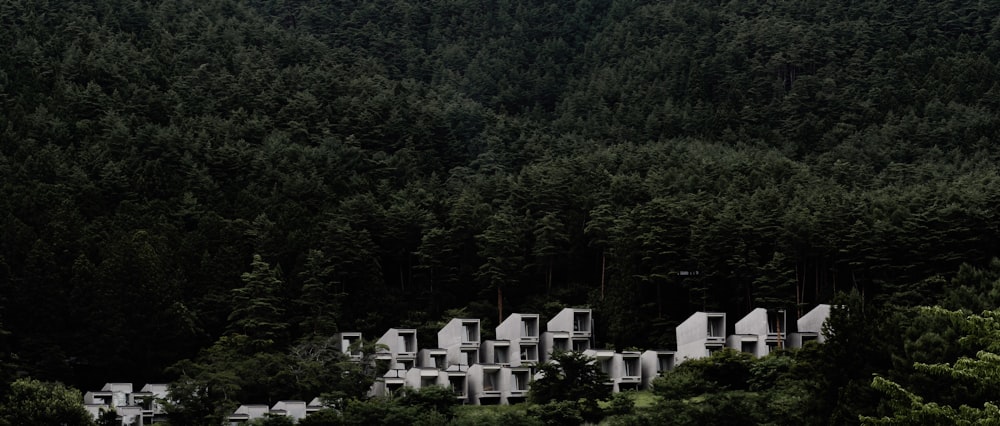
(499, 371)
(140, 407)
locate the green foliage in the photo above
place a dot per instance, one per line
(621, 404)
(569, 376)
(274, 420)
(324, 417)
(389, 412)
(32, 402)
(438, 399)
(733, 387)
(495, 415)
(724, 370)
(258, 311)
(559, 413)
(970, 382)
(974, 289)
(390, 161)
(108, 417)
(569, 387)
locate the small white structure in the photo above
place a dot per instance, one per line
(626, 371)
(390, 383)
(433, 358)
(120, 398)
(521, 330)
(604, 358)
(349, 343)
(700, 335)
(485, 384)
(810, 327)
(402, 344)
(515, 382)
(570, 330)
(294, 409)
(497, 352)
(554, 341)
(248, 412)
(760, 332)
(456, 377)
(461, 338)
(654, 363)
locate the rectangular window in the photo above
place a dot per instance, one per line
(529, 353)
(561, 344)
(471, 333)
(500, 355)
(521, 380)
(663, 363)
(528, 328)
(457, 385)
(581, 322)
(631, 367)
(715, 327)
(491, 381)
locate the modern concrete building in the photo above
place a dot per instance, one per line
(422, 377)
(498, 371)
(522, 331)
(461, 338)
(294, 409)
(485, 386)
(349, 343)
(810, 327)
(571, 329)
(654, 363)
(553, 341)
(760, 332)
(457, 379)
(315, 405)
(402, 344)
(700, 335)
(248, 412)
(433, 358)
(491, 384)
(390, 383)
(626, 371)
(496, 352)
(514, 381)
(604, 358)
(120, 398)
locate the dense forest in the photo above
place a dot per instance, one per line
(175, 174)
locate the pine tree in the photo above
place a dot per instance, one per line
(257, 306)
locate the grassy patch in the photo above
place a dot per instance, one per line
(642, 399)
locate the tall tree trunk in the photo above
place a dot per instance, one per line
(499, 305)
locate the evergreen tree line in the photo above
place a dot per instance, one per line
(185, 178)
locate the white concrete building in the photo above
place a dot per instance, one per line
(402, 344)
(349, 343)
(654, 363)
(810, 327)
(700, 335)
(461, 338)
(522, 331)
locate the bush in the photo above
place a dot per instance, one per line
(31, 402)
(558, 413)
(324, 417)
(621, 404)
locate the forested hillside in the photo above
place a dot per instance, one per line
(391, 161)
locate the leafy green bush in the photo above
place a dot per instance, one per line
(32, 402)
